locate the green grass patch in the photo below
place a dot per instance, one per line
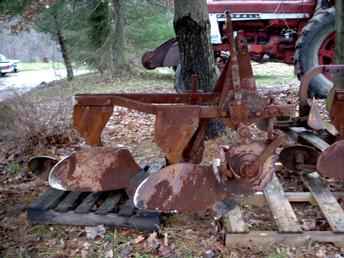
(273, 74)
(13, 168)
(267, 75)
(95, 83)
(34, 66)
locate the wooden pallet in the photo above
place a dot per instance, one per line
(289, 229)
(91, 209)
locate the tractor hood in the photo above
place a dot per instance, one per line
(263, 7)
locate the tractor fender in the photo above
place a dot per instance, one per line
(166, 55)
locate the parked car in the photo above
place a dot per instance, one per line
(5, 66)
(14, 63)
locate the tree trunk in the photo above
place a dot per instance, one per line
(65, 55)
(339, 80)
(192, 27)
(119, 58)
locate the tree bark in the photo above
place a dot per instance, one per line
(119, 57)
(65, 55)
(339, 80)
(192, 27)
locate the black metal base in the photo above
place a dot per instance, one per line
(91, 209)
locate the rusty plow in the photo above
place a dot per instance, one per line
(186, 187)
(181, 122)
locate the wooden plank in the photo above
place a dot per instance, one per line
(280, 207)
(327, 202)
(87, 204)
(49, 199)
(309, 137)
(91, 219)
(258, 199)
(264, 239)
(314, 140)
(109, 204)
(234, 221)
(148, 223)
(69, 202)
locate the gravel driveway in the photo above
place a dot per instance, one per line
(26, 80)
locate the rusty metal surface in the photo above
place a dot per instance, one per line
(94, 169)
(194, 150)
(185, 187)
(166, 55)
(331, 161)
(174, 130)
(306, 79)
(246, 73)
(299, 158)
(155, 98)
(253, 161)
(337, 111)
(41, 166)
(90, 121)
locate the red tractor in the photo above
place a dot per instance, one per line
(299, 32)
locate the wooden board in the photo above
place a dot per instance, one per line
(90, 209)
(280, 207)
(265, 239)
(87, 204)
(309, 137)
(110, 203)
(314, 140)
(69, 202)
(234, 221)
(326, 201)
(49, 199)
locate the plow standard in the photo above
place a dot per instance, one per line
(180, 131)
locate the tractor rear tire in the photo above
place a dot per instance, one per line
(319, 28)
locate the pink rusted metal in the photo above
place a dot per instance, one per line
(299, 158)
(185, 187)
(331, 161)
(94, 169)
(337, 111)
(306, 80)
(41, 166)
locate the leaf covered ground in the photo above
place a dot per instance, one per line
(181, 235)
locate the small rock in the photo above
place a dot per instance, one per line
(152, 242)
(165, 251)
(209, 254)
(321, 253)
(139, 240)
(308, 224)
(109, 254)
(126, 251)
(93, 232)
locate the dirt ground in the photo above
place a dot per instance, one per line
(181, 235)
